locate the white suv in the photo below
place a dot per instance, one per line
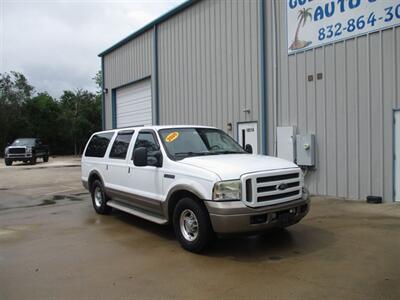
(197, 178)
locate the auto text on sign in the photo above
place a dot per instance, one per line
(312, 23)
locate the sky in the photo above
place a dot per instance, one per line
(55, 43)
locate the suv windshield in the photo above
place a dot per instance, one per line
(24, 142)
(184, 142)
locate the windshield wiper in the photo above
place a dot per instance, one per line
(228, 152)
(190, 153)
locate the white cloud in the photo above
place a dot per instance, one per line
(56, 43)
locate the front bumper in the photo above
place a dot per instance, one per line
(236, 217)
(19, 156)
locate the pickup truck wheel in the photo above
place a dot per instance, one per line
(99, 198)
(33, 160)
(45, 158)
(8, 162)
(192, 225)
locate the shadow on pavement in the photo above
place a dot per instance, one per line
(275, 244)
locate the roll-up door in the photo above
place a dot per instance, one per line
(133, 104)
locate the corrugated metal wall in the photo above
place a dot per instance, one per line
(130, 62)
(208, 64)
(208, 73)
(349, 110)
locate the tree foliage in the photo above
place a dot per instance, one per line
(65, 123)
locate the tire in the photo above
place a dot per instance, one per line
(99, 198)
(45, 158)
(192, 225)
(8, 162)
(33, 160)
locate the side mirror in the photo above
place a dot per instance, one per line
(8, 144)
(140, 157)
(155, 159)
(248, 148)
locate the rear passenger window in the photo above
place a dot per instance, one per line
(121, 144)
(98, 144)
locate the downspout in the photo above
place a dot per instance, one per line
(154, 79)
(103, 120)
(275, 75)
(262, 75)
(114, 108)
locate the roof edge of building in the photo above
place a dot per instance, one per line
(149, 26)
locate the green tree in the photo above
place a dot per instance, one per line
(15, 91)
(98, 79)
(40, 118)
(79, 118)
(65, 123)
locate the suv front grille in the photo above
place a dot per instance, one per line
(268, 188)
(18, 150)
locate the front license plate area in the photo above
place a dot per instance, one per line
(286, 216)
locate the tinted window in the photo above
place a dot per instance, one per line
(24, 142)
(184, 142)
(98, 144)
(147, 140)
(121, 144)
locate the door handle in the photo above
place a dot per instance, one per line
(129, 170)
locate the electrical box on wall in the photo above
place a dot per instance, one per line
(285, 138)
(305, 150)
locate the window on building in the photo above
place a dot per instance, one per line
(98, 144)
(121, 144)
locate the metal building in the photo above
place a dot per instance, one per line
(242, 66)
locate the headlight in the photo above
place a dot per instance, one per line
(227, 190)
(6, 151)
(28, 150)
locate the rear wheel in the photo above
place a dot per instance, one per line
(99, 198)
(192, 225)
(45, 158)
(8, 162)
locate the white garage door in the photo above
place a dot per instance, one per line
(133, 105)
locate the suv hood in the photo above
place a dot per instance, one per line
(232, 166)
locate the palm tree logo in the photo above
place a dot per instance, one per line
(303, 16)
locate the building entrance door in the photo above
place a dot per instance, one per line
(247, 134)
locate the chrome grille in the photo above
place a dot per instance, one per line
(272, 187)
(18, 150)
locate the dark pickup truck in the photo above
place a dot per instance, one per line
(26, 150)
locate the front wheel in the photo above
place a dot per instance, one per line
(33, 160)
(8, 162)
(192, 225)
(99, 198)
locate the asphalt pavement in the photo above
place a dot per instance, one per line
(54, 246)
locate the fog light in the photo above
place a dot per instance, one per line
(258, 219)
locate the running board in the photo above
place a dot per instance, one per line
(136, 212)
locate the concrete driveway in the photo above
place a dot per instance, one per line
(54, 246)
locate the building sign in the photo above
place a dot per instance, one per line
(311, 23)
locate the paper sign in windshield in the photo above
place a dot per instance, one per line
(172, 136)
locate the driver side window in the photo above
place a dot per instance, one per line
(216, 141)
(147, 140)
